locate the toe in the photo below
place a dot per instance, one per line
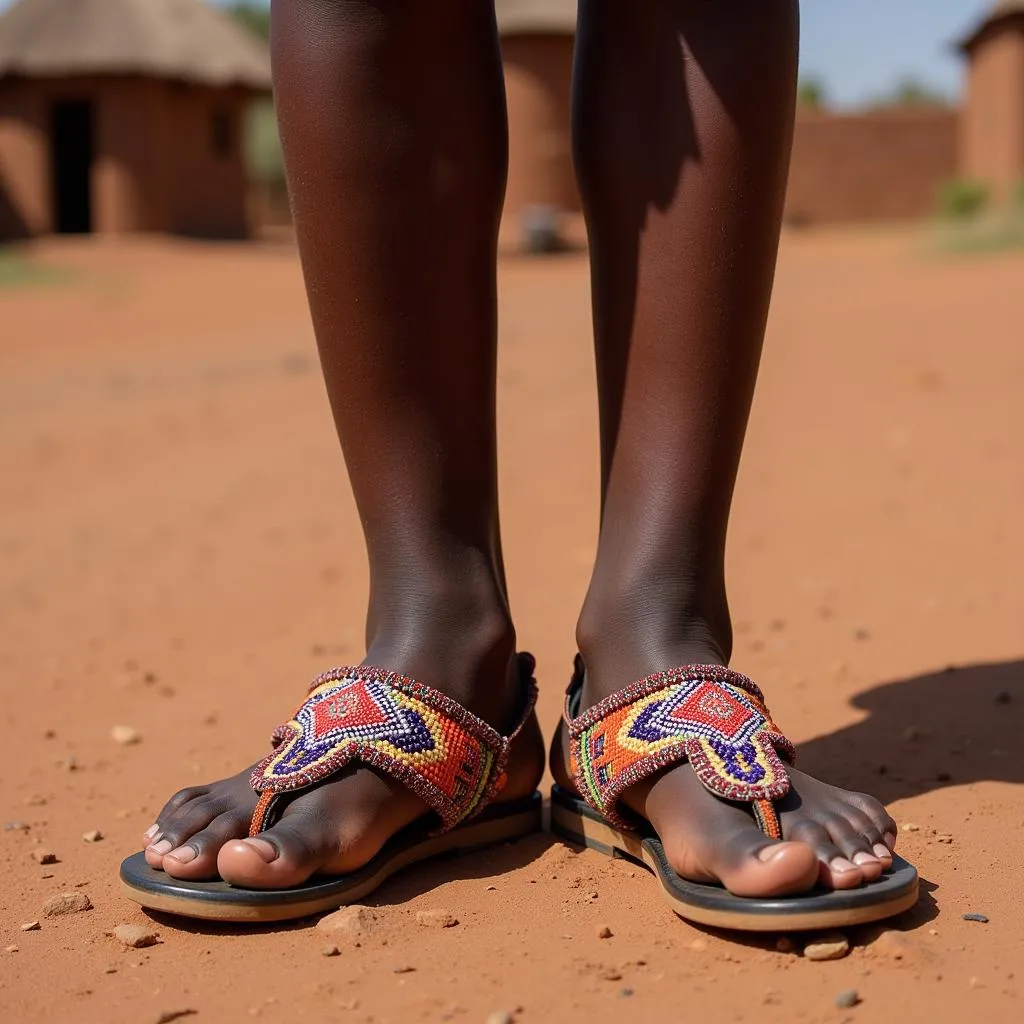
(178, 828)
(835, 869)
(750, 864)
(197, 858)
(848, 837)
(283, 856)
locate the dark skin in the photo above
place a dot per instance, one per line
(396, 160)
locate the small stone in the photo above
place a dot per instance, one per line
(403, 969)
(92, 836)
(625, 992)
(784, 944)
(43, 856)
(436, 918)
(125, 735)
(353, 922)
(846, 1000)
(46, 874)
(135, 936)
(31, 926)
(330, 951)
(611, 974)
(491, 888)
(979, 918)
(499, 1017)
(110, 969)
(12, 949)
(166, 1016)
(604, 932)
(66, 903)
(833, 946)
(16, 826)
(909, 826)
(947, 839)
(592, 895)
(69, 763)
(933, 931)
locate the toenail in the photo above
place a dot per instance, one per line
(769, 853)
(882, 852)
(183, 854)
(164, 846)
(841, 864)
(267, 851)
(864, 858)
(151, 832)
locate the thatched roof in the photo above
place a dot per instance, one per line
(518, 17)
(179, 39)
(1003, 11)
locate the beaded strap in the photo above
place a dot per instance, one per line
(454, 761)
(705, 714)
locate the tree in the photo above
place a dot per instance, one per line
(255, 17)
(912, 92)
(811, 93)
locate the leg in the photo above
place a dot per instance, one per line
(396, 158)
(683, 120)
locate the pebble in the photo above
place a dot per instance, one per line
(436, 918)
(66, 903)
(16, 826)
(41, 856)
(944, 839)
(12, 949)
(403, 969)
(125, 735)
(499, 1017)
(353, 921)
(611, 974)
(31, 926)
(92, 836)
(166, 1016)
(330, 951)
(136, 936)
(833, 946)
(979, 918)
(604, 932)
(69, 763)
(909, 826)
(846, 1000)
(698, 945)
(625, 992)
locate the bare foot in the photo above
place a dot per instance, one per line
(336, 826)
(831, 837)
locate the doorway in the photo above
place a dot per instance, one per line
(71, 155)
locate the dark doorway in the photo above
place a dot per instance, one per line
(71, 155)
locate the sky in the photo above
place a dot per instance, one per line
(863, 48)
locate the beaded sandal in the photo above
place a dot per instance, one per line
(715, 719)
(452, 760)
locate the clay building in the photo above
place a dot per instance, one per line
(537, 44)
(124, 115)
(992, 120)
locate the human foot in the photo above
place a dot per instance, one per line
(338, 825)
(830, 837)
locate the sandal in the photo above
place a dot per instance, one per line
(450, 758)
(717, 720)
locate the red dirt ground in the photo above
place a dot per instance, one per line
(181, 554)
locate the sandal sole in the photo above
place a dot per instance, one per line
(895, 892)
(219, 901)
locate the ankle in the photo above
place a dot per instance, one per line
(627, 632)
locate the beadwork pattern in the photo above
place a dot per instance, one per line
(451, 759)
(709, 715)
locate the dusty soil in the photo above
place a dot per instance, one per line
(181, 554)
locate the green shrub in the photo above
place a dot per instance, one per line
(962, 199)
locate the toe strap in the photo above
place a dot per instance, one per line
(454, 761)
(709, 715)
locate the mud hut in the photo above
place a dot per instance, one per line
(992, 119)
(537, 43)
(123, 116)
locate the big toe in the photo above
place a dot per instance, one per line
(281, 857)
(749, 864)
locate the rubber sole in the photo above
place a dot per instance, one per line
(895, 892)
(219, 901)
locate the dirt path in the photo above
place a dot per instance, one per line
(180, 554)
